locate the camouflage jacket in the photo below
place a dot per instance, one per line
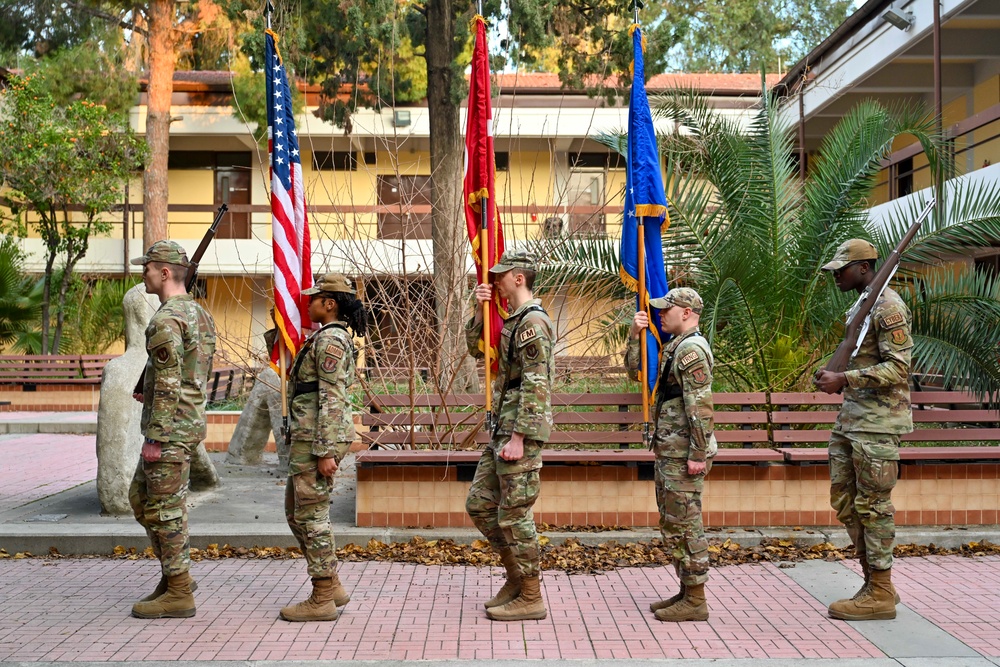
(527, 404)
(323, 416)
(684, 411)
(180, 341)
(877, 395)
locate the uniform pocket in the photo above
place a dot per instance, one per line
(310, 488)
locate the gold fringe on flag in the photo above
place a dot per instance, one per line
(277, 39)
(476, 197)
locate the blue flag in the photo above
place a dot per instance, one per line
(646, 205)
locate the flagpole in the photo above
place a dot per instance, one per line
(484, 249)
(643, 343)
(282, 350)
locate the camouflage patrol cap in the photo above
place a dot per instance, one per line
(685, 297)
(168, 252)
(520, 259)
(853, 250)
(329, 283)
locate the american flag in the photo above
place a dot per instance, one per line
(289, 222)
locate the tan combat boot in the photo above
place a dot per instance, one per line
(176, 602)
(340, 596)
(512, 587)
(528, 606)
(669, 602)
(877, 604)
(318, 607)
(866, 587)
(161, 588)
(692, 607)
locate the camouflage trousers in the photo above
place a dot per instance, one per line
(158, 496)
(500, 503)
(678, 497)
(307, 510)
(863, 471)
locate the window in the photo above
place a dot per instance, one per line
(410, 196)
(335, 160)
(502, 160)
(596, 161)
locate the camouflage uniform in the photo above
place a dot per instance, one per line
(180, 340)
(864, 444)
(684, 418)
(322, 426)
(503, 492)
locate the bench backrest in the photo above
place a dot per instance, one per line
(611, 419)
(807, 418)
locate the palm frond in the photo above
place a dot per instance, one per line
(951, 311)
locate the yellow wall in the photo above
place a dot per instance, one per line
(986, 95)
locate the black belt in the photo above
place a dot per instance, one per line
(305, 388)
(513, 384)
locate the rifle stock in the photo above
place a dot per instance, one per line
(192, 272)
(859, 314)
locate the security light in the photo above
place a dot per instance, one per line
(400, 118)
(900, 19)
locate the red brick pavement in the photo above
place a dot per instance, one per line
(39, 465)
(959, 595)
(77, 609)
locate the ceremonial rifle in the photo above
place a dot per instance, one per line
(859, 316)
(192, 271)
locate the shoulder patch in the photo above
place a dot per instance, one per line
(334, 351)
(893, 320)
(527, 334)
(689, 358)
(699, 375)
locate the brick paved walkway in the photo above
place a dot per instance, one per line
(39, 465)
(959, 595)
(77, 609)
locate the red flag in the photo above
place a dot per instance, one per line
(289, 221)
(480, 177)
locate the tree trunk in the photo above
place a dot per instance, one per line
(455, 372)
(50, 262)
(162, 60)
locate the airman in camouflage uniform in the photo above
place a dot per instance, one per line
(180, 340)
(322, 429)
(864, 444)
(684, 443)
(506, 484)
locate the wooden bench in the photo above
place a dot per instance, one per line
(32, 370)
(227, 382)
(593, 421)
(803, 421)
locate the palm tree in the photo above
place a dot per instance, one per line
(751, 238)
(20, 301)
